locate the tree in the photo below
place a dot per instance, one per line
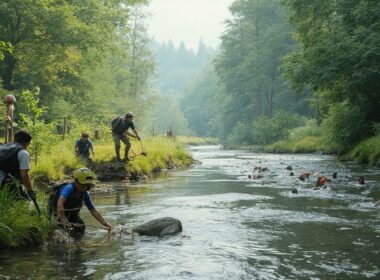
(253, 45)
(339, 59)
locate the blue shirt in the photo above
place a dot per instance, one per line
(68, 189)
(83, 147)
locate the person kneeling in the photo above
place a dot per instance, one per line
(69, 199)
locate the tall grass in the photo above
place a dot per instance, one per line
(19, 223)
(367, 151)
(162, 152)
(304, 139)
(197, 141)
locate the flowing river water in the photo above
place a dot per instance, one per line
(233, 227)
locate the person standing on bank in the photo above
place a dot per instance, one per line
(120, 131)
(83, 147)
(15, 162)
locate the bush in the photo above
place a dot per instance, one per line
(266, 130)
(345, 125)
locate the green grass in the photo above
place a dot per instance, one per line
(161, 152)
(308, 144)
(367, 151)
(197, 141)
(19, 223)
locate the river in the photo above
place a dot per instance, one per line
(234, 227)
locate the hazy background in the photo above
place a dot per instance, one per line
(188, 21)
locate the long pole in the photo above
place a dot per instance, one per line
(9, 123)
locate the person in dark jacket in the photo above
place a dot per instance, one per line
(68, 202)
(15, 162)
(120, 132)
(83, 146)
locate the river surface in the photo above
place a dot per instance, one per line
(234, 227)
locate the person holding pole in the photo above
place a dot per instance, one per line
(120, 128)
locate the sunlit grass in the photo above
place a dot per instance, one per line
(197, 141)
(55, 163)
(161, 152)
(367, 151)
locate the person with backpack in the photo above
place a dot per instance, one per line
(66, 201)
(120, 131)
(83, 147)
(15, 163)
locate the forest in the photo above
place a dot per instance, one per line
(288, 73)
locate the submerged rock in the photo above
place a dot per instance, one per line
(160, 227)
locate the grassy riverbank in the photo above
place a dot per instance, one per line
(161, 153)
(197, 141)
(366, 152)
(19, 224)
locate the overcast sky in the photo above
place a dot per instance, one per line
(188, 21)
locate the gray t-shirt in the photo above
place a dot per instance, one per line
(23, 160)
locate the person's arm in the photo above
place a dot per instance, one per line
(136, 134)
(26, 180)
(24, 165)
(76, 148)
(61, 212)
(130, 134)
(100, 218)
(92, 148)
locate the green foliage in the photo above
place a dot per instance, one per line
(303, 139)
(339, 55)
(43, 134)
(199, 103)
(19, 224)
(367, 151)
(265, 130)
(241, 134)
(346, 124)
(4, 48)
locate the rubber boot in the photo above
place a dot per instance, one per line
(117, 154)
(126, 158)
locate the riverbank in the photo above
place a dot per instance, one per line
(197, 141)
(366, 152)
(146, 158)
(19, 224)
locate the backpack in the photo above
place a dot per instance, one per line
(8, 150)
(53, 197)
(117, 124)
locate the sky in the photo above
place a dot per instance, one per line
(188, 21)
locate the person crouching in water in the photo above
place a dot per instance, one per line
(83, 147)
(68, 200)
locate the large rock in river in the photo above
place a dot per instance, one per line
(159, 227)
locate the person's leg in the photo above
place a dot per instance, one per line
(116, 139)
(2, 176)
(128, 145)
(78, 226)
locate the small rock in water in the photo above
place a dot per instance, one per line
(289, 167)
(291, 174)
(294, 190)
